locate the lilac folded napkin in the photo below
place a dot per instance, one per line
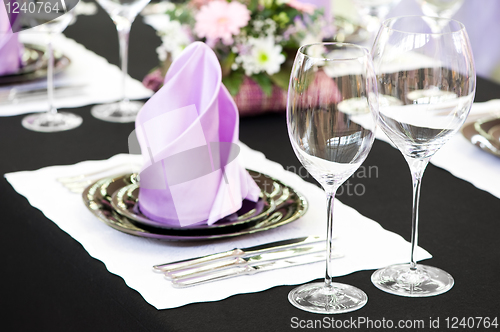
(188, 134)
(10, 48)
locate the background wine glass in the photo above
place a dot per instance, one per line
(331, 117)
(373, 12)
(123, 13)
(52, 120)
(433, 76)
(440, 8)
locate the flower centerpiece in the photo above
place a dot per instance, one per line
(255, 42)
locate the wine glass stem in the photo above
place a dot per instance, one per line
(123, 28)
(330, 198)
(50, 74)
(417, 167)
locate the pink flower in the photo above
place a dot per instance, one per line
(199, 3)
(221, 20)
(302, 6)
(153, 80)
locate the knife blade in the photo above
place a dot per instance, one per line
(237, 252)
(315, 247)
(249, 269)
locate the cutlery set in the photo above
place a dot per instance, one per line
(245, 261)
(77, 183)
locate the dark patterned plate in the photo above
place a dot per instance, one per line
(484, 134)
(289, 206)
(35, 65)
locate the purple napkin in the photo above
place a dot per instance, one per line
(10, 48)
(188, 134)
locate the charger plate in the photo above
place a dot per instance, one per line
(289, 205)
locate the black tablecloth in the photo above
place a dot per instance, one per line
(50, 283)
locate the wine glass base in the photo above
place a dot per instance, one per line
(400, 280)
(121, 112)
(51, 122)
(337, 299)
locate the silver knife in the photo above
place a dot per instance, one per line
(249, 269)
(245, 252)
(315, 247)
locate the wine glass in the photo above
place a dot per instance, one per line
(52, 120)
(440, 8)
(123, 14)
(374, 12)
(331, 117)
(433, 76)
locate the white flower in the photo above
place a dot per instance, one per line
(271, 27)
(264, 56)
(258, 25)
(174, 38)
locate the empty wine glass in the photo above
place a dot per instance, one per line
(331, 116)
(433, 76)
(52, 120)
(440, 8)
(373, 13)
(123, 13)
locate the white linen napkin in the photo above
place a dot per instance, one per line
(466, 161)
(365, 244)
(95, 80)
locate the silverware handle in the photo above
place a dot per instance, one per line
(167, 267)
(212, 276)
(205, 268)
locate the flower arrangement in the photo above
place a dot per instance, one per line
(255, 40)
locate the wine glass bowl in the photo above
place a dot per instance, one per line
(120, 10)
(373, 12)
(331, 118)
(440, 8)
(433, 75)
(123, 14)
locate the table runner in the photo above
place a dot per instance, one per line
(96, 80)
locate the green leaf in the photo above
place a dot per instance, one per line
(265, 83)
(253, 5)
(226, 63)
(282, 79)
(233, 82)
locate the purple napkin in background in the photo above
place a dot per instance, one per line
(188, 134)
(10, 48)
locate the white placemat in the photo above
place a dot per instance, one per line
(466, 161)
(364, 242)
(95, 80)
